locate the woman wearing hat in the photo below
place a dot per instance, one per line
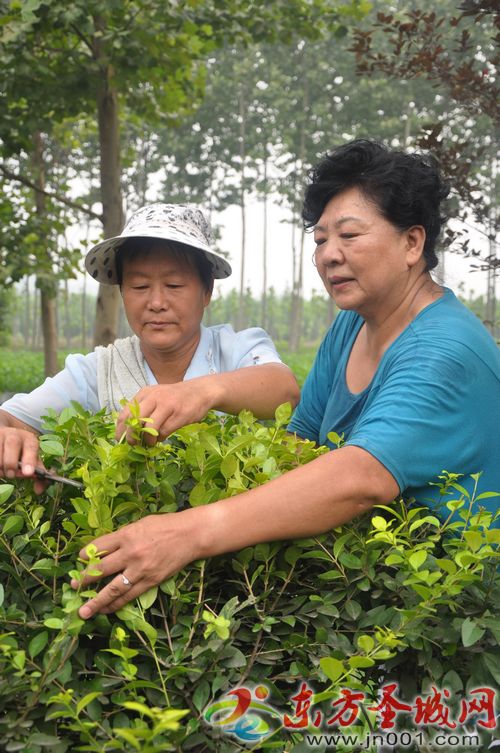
(175, 368)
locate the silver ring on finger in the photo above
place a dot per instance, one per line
(126, 581)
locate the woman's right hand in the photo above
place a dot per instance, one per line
(19, 449)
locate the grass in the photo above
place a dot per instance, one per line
(301, 361)
(23, 370)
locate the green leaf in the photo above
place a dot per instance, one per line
(54, 623)
(360, 662)
(141, 708)
(83, 702)
(365, 643)
(201, 695)
(13, 525)
(45, 741)
(379, 523)
(471, 632)
(168, 586)
(292, 554)
(148, 598)
(129, 736)
(492, 662)
(210, 443)
(198, 495)
(261, 552)
(353, 609)
(43, 564)
(38, 643)
(394, 559)
(330, 575)
(427, 520)
(5, 492)
(228, 466)
(486, 495)
(333, 668)
(351, 561)
(452, 681)
(51, 447)
(19, 660)
(283, 413)
(417, 559)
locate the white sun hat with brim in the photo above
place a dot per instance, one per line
(180, 223)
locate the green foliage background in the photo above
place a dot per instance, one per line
(394, 595)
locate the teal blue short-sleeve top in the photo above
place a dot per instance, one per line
(432, 405)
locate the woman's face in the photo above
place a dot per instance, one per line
(164, 300)
(364, 261)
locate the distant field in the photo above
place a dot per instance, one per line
(22, 370)
(299, 362)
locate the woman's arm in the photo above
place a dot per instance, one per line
(260, 389)
(312, 499)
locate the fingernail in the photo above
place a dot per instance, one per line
(28, 470)
(10, 474)
(74, 583)
(85, 612)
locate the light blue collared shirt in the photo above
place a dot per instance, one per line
(220, 349)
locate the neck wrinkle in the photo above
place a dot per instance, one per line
(170, 367)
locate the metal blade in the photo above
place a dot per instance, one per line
(42, 473)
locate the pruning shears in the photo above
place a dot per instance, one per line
(49, 476)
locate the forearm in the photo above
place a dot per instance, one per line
(312, 499)
(7, 420)
(309, 500)
(260, 389)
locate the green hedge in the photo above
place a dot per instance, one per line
(395, 595)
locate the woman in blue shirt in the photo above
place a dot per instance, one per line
(406, 374)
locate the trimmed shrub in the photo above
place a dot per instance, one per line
(394, 596)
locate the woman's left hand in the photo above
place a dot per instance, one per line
(170, 406)
(142, 555)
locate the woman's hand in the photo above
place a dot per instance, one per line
(141, 555)
(170, 406)
(19, 453)
(259, 389)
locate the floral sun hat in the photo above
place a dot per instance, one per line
(181, 223)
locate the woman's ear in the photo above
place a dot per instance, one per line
(416, 240)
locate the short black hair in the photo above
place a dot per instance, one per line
(134, 248)
(407, 188)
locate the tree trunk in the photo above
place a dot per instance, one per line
(330, 311)
(27, 308)
(67, 320)
(241, 302)
(48, 289)
(490, 313)
(264, 247)
(84, 315)
(34, 318)
(297, 301)
(108, 298)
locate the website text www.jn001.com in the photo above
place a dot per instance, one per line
(402, 739)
